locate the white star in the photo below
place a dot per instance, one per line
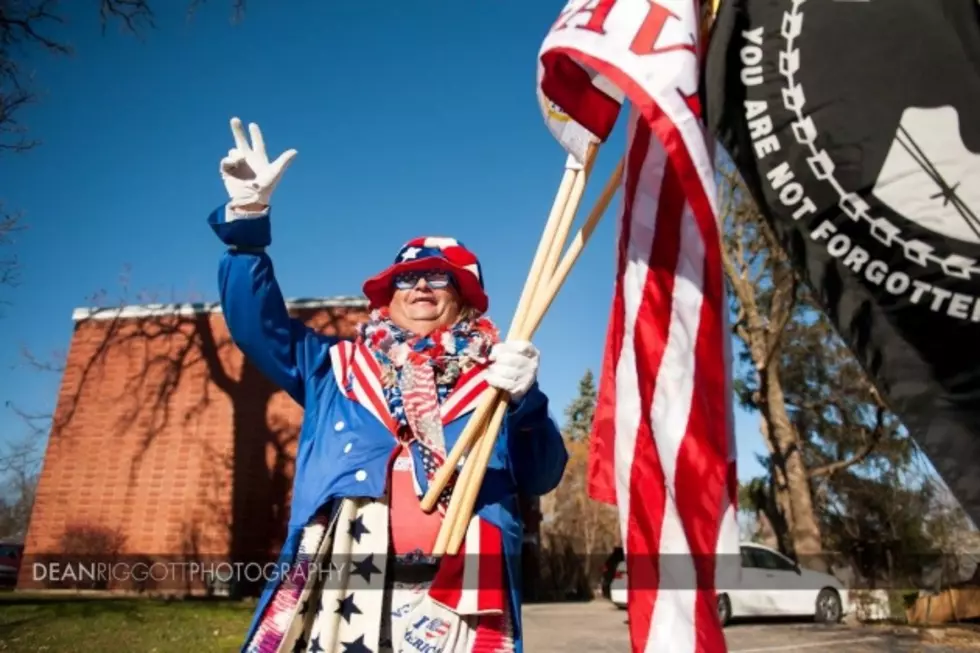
(441, 243)
(411, 252)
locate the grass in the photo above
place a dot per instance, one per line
(73, 623)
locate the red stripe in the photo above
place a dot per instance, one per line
(490, 635)
(378, 403)
(491, 571)
(647, 482)
(346, 350)
(447, 586)
(665, 130)
(733, 483)
(421, 400)
(570, 86)
(702, 465)
(465, 377)
(454, 398)
(465, 402)
(602, 447)
(370, 361)
(601, 475)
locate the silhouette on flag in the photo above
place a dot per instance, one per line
(662, 443)
(854, 126)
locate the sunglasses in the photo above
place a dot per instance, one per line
(435, 279)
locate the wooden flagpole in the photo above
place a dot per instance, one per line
(542, 271)
(559, 221)
(478, 421)
(525, 329)
(549, 249)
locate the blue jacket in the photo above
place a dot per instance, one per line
(343, 448)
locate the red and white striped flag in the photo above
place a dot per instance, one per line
(663, 446)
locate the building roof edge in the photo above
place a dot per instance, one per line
(134, 311)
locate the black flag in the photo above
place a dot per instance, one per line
(856, 126)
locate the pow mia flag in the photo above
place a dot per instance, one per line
(856, 127)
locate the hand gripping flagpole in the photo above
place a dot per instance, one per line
(566, 190)
(526, 323)
(552, 241)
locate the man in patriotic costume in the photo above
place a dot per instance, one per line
(380, 414)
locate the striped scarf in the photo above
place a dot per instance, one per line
(419, 372)
(445, 354)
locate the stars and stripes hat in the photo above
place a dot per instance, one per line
(432, 253)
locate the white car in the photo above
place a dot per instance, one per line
(771, 585)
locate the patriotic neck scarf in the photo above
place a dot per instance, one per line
(419, 372)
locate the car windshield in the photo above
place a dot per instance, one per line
(758, 558)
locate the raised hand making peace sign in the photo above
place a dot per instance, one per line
(247, 173)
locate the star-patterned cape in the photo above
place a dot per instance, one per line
(334, 598)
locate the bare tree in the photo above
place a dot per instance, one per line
(16, 502)
(19, 462)
(820, 416)
(580, 533)
(25, 30)
(10, 224)
(764, 289)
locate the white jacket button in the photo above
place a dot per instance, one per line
(348, 447)
(339, 426)
(360, 475)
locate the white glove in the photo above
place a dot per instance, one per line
(514, 368)
(246, 171)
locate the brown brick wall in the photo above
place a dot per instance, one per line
(165, 442)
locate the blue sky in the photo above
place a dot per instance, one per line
(410, 119)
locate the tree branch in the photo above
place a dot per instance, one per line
(20, 24)
(783, 303)
(871, 441)
(131, 12)
(237, 8)
(741, 287)
(9, 265)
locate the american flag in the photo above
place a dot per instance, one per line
(663, 441)
(431, 462)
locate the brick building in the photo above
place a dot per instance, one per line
(166, 442)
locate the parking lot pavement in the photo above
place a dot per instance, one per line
(600, 627)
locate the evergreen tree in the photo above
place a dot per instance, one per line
(578, 533)
(580, 411)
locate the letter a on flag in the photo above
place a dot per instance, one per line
(663, 446)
